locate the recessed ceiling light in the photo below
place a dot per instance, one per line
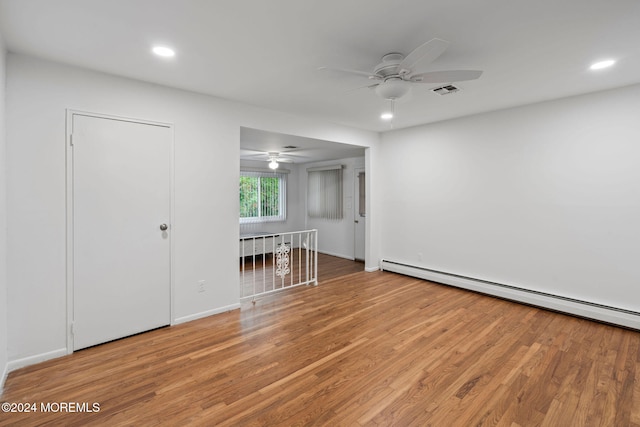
(602, 64)
(164, 51)
(386, 116)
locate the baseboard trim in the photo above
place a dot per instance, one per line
(350, 258)
(207, 313)
(590, 310)
(371, 269)
(38, 358)
(32, 360)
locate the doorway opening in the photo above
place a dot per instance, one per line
(292, 159)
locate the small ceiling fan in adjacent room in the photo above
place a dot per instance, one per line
(274, 158)
(396, 74)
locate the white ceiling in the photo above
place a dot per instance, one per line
(266, 53)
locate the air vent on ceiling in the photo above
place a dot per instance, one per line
(290, 147)
(445, 90)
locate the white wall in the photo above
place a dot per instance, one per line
(3, 221)
(335, 237)
(545, 197)
(207, 132)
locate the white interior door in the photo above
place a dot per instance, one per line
(121, 257)
(359, 214)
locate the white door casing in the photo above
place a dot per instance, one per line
(359, 220)
(119, 259)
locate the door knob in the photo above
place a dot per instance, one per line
(163, 227)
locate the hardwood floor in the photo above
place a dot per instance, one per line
(362, 349)
(330, 267)
(262, 278)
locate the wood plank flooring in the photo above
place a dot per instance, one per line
(371, 349)
(261, 277)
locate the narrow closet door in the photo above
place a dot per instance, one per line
(121, 228)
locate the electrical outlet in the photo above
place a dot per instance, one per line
(201, 286)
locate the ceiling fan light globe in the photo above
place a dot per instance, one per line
(164, 51)
(392, 89)
(602, 64)
(273, 164)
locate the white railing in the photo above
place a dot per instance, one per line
(273, 262)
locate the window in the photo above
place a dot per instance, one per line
(263, 196)
(324, 192)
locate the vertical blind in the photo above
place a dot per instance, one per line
(324, 192)
(262, 196)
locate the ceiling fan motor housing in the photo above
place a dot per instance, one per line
(389, 65)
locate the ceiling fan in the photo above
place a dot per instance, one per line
(396, 74)
(273, 157)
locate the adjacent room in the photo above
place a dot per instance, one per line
(319, 213)
(305, 197)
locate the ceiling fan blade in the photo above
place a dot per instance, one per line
(362, 87)
(255, 158)
(448, 76)
(354, 72)
(422, 56)
(284, 160)
(250, 152)
(252, 156)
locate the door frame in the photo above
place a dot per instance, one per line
(356, 213)
(69, 254)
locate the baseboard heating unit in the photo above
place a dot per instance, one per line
(590, 310)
